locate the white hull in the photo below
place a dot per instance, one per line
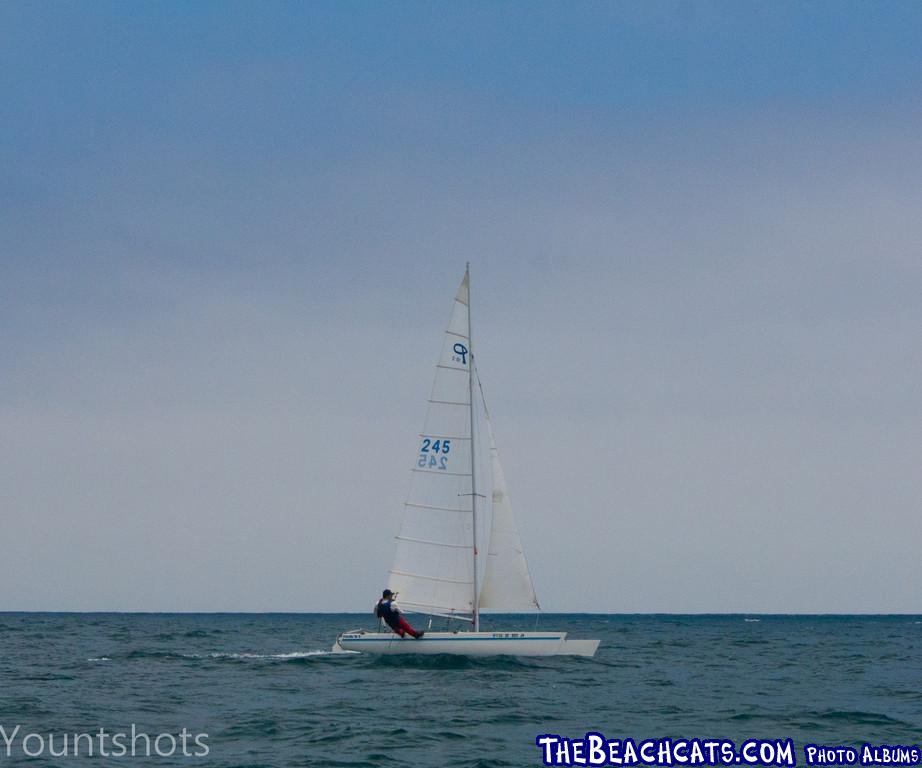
(467, 643)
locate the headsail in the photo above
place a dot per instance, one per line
(507, 584)
(433, 568)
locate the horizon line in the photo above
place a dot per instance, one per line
(6, 612)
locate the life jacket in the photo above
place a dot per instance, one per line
(385, 611)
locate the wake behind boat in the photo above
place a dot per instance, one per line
(437, 568)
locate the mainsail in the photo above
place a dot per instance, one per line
(434, 565)
(435, 568)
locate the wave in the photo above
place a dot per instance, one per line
(449, 661)
(261, 656)
(859, 717)
(220, 656)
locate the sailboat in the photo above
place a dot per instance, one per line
(437, 566)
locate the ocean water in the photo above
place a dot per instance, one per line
(267, 692)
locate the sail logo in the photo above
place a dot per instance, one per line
(460, 353)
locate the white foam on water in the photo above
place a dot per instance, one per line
(259, 656)
(100, 658)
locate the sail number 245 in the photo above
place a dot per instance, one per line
(429, 454)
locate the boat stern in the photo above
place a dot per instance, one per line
(338, 646)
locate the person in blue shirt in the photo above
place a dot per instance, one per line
(387, 609)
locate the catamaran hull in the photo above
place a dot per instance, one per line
(467, 644)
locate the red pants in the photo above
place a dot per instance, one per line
(403, 628)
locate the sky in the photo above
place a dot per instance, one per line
(230, 234)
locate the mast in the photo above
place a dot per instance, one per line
(470, 389)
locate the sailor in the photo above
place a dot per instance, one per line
(387, 609)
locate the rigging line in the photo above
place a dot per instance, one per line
(432, 506)
(428, 578)
(483, 399)
(432, 543)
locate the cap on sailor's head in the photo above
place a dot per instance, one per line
(387, 593)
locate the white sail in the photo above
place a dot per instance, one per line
(507, 584)
(433, 569)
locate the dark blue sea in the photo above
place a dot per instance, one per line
(267, 692)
